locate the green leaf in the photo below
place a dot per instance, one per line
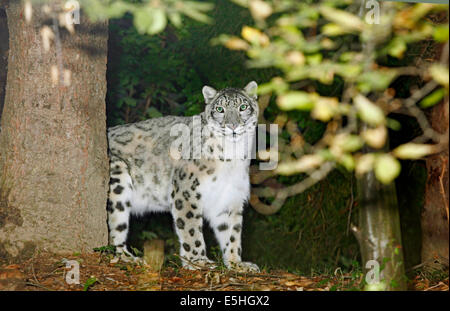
(152, 112)
(350, 143)
(440, 74)
(396, 47)
(347, 161)
(117, 9)
(386, 168)
(333, 30)
(393, 124)
(295, 100)
(150, 20)
(433, 99)
(377, 80)
(441, 33)
(344, 19)
(413, 151)
(175, 19)
(91, 281)
(368, 111)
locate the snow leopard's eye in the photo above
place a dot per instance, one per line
(243, 107)
(219, 109)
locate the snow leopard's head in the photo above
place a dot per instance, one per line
(231, 112)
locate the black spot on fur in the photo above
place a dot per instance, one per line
(192, 232)
(118, 189)
(182, 174)
(121, 227)
(232, 238)
(109, 206)
(237, 227)
(222, 227)
(198, 243)
(195, 252)
(194, 206)
(175, 186)
(178, 204)
(186, 247)
(189, 215)
(128, 204)
(113, 181)
(203, 252)
(195, 184)
(186, 195)
(198, 196)
(119, 206)
(180, 223)
(210, 171)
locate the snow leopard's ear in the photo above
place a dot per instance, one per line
(250, 89)
(208, 93)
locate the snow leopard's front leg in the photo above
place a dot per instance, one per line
(188, 217)
(228, 228)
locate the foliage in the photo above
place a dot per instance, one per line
(150, 76)
(89, 283)
(316, 44)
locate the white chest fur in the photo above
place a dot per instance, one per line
(226, 190)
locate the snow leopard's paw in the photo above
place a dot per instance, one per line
(243, 267)
(199, 264)
(126, 256)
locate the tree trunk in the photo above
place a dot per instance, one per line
(379, 233)
(3, 56)
(435, 241)
(53, 164)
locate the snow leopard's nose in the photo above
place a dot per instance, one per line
(233, 127)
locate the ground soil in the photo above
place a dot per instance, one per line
(47, 272)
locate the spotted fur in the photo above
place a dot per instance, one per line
(212, 186)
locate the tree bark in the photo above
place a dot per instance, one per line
(3, 56)
(53, 158)
(435, 218)
(379, 234)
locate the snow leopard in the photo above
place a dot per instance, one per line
(200, 175)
